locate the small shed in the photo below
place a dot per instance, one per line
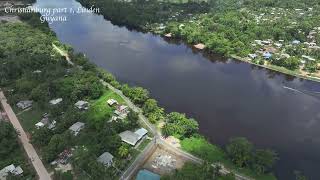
(111, 102)
(76, 128)
(55, 101)
(106, 159)
(267, 55)
(82, 105)
(252, 56)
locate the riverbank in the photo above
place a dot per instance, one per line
(279, 69)
(222, 32)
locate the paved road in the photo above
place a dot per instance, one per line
(31, 152)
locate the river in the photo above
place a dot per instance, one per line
(229, 98)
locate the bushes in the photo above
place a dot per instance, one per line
(240, 151)
(311, 66)
(243, 154)
(153, 111)
(180, 126)
(200, 172)
(291, 63)
(137, 94)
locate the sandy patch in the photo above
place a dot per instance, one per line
(163, 162)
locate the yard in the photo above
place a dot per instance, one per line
(30, 117)
(99, 109)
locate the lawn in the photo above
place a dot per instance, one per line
(29, 118)
(99, 109)
(203, 149)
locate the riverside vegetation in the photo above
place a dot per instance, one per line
(32, 69)
(281, 35)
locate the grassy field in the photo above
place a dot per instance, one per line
(99, 109)
(29, 118)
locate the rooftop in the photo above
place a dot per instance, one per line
(106, 159)
(76, 127)
(141, 132)
(129, 137)
(147, 175)
(82, 104)
(112, 102)
(55, 101)
(24, 104)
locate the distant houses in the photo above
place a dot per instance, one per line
(76, 128)
(24, 104)
(267, 55)
(106, 159)
(133, 138)
(112, 102)
(45, 122)
(82, 105)
(11, 169)
(252, 56)
(55, 101)
(296, 42)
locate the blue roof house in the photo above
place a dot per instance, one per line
(267, 55)
(147, 175)
(296, 42)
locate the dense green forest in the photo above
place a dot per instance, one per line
(288, 30)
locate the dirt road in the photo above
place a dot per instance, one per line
(31, 152)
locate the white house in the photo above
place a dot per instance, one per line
(133, 138)
(55, 101)
(252, 56)
(82, 105)
(24, 104)
(111, 102)
(76, 128)
(106, 159)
